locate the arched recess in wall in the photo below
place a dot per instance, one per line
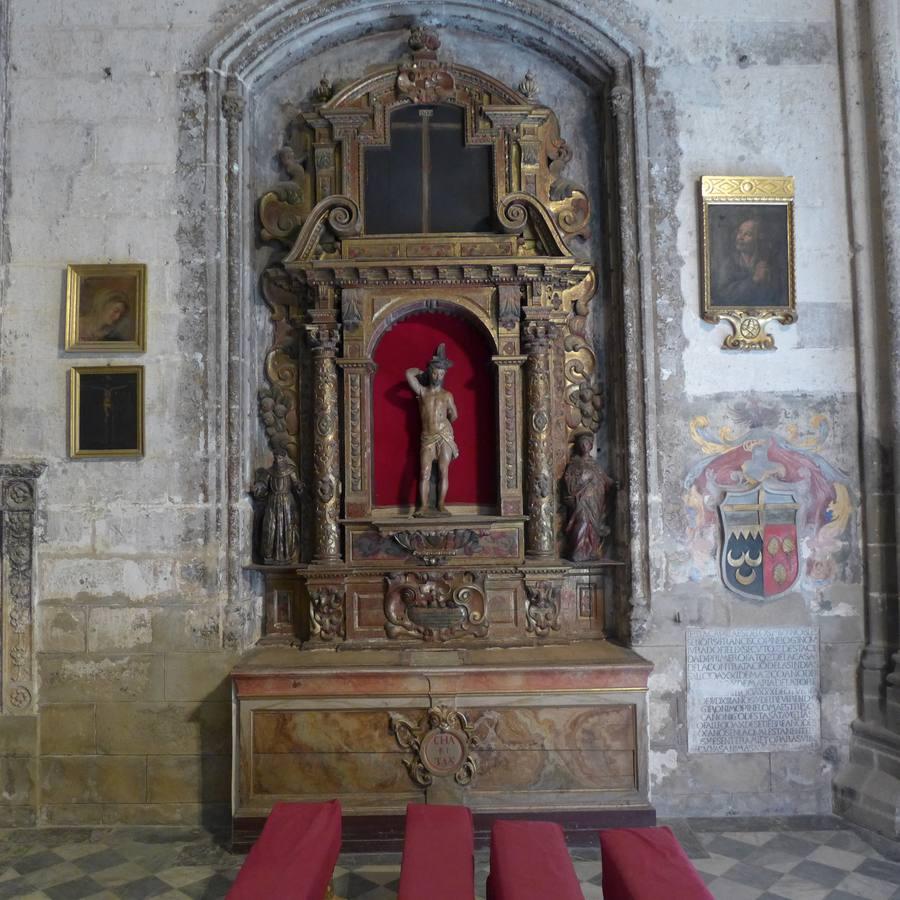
(266, 44)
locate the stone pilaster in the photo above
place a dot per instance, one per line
(540, 487)
(323, 339)
(18, 493)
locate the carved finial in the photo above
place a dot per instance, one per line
(232, 105)
(325, 90)
(528, 86)
(422, 38)
(620, 98)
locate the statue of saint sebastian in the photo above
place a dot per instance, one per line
(437, 412)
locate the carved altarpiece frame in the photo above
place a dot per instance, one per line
(337, 291)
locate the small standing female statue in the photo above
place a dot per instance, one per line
(280, 487)
(586, 489)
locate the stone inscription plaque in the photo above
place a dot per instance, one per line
(752, 690)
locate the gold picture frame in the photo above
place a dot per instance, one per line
(748, 255)
(106, 411)
(106, 308)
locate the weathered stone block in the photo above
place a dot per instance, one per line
(136, 579)
(133, 144)
(164, 728)
(838, 712)
(18, 817)
(189, 779)
(206, 814)
(140, 529)
(118, 628)
(93, 779)
(199, 676)
(134, 677)
(71, 814)
(61, 629)
(675, 772)
(67, 729)
(837, 663)
(18, 735)
(17, 781)
(803, 771)
(187, 629)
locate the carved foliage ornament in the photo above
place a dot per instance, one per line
(326, 613)
(542, 608)
(441, 745)
(434, 605)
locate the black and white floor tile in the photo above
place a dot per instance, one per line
(747, 859)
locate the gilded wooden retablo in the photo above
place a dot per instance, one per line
(424, 195)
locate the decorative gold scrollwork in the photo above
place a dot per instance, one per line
(436, 606)
(326, 613)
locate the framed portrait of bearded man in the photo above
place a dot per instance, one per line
(748, 255)
(106, 308)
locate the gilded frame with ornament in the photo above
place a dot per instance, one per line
(748, 256)
(106, 308)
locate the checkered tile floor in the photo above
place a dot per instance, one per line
(740, 859)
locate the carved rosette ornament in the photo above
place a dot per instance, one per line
(435, 606)
(17, 515)
(540, 500)
(326, 443)
(542, 608)
(326, 613)
(441, 745)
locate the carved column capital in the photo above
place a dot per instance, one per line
(538, 335)
(324, 339)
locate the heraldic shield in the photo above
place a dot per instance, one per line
(760, 558)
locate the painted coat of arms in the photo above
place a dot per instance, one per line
(775, 511)
(759, 555)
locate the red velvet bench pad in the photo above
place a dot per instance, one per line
(438, 854)
(648, 864)
(530, 861)
(295, 856)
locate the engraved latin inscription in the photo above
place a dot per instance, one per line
(752, 689)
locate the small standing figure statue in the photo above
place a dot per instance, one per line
(586, 489)
(280, 487)
(437, 411)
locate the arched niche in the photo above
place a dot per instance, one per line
(409, 341)
(247, 63)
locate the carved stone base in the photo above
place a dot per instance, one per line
(867, 789)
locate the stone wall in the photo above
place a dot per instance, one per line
(111, 156)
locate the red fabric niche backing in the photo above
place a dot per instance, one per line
(395, 411)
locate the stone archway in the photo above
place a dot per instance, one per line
(267, 43)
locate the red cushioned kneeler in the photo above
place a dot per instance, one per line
(295, 856)
(530, 861)
(648, 864)
(438, 854)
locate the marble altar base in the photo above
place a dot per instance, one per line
(555, 732)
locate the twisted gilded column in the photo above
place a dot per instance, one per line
(540, 489)
(323, 340)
